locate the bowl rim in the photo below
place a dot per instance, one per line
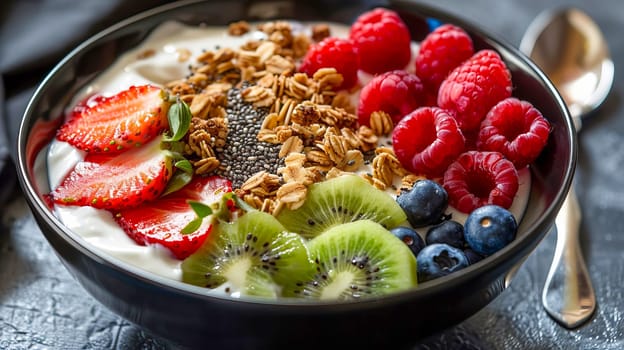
(447, 283)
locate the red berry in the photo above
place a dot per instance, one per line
(440, 52)
(516, 129)
(162, 221)
(382, 41)
(396, 93)
(479, 178)
(427, 140)
(474, 87)
(336, 53)
(125, 180)
(117, 123)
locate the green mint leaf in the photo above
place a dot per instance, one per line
(177, 181)
(179, 116)
(192, 226)
(201, 210)
(185, 166)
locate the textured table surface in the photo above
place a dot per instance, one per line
(43, 307)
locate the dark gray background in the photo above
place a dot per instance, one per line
(42, 307)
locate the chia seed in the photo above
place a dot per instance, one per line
(243, 154)
(368, 156)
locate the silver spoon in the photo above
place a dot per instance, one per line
(571, 50)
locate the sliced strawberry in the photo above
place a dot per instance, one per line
(124, 181)
(113, 124)
(161, 221)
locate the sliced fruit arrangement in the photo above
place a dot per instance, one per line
(129, 165)
(455, 127)
(164, 219)
(356, 260)
(253, 255)
(455, 124)
(127, 180)
(128, 161)
(114, 124)
(340, 224)
(341, 200)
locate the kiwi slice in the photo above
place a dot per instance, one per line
(356, 260)
(341, 200)
(254, 255)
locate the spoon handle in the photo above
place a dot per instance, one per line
(568, 295)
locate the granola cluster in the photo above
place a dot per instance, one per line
(313, 123)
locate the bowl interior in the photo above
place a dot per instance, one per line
(552, 172)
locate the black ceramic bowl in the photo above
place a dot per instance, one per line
(184, 314)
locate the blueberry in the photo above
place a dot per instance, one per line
(424, 204)
(409, 237)
(449, 232)
(439, 260)
(473, 257)
(489, 228)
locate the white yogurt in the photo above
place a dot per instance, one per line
(98, 227)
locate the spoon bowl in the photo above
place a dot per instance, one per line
(570, 48)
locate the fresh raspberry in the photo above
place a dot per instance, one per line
(440, 52)
(516, 129)
(473, 88)
(427, 140)
(336, 53)
(478, 178)
(395, 92)
(382, 41)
